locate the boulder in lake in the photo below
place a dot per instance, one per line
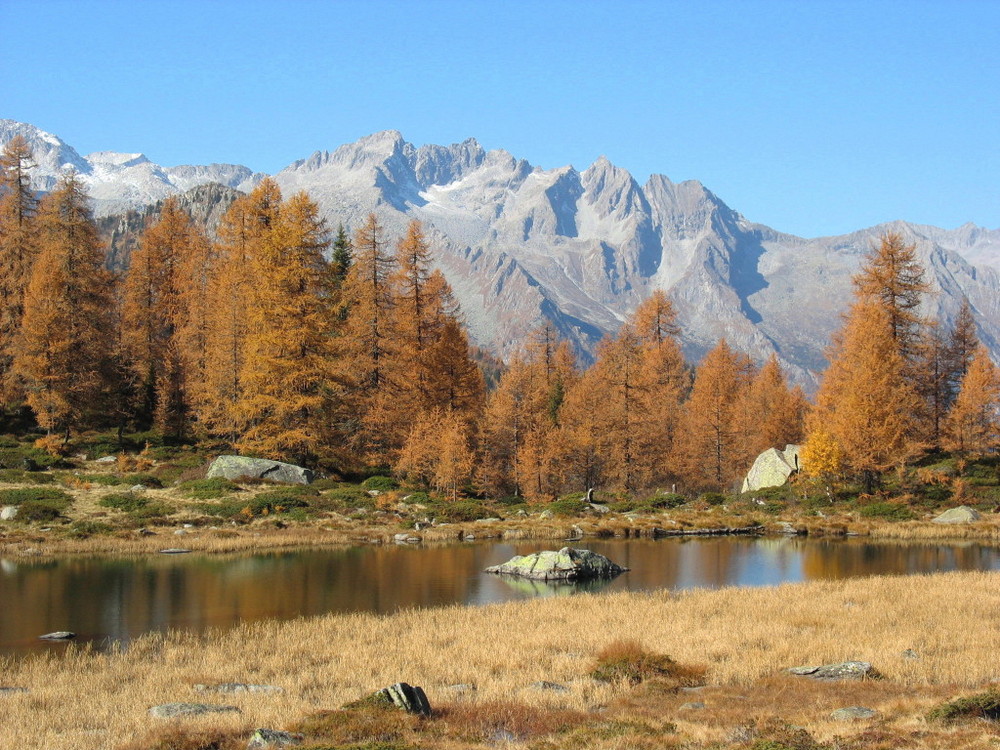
(59, 635)
(568, 564)
(961, 514)
(772, 468)
(848, 670)
(243, 467)
(264, 738)
(174, 710)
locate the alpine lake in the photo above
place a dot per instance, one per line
(109, 601)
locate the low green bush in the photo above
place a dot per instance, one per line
(84, 529)
(349, 497)
(264, 504)
(666, 500)
(137, 506)
(888, 511)
(43, 511)
(568, 506)
(208, 489)
(33, 494)
(118, 480)
(380, 483)
(26, 477)
(462, 511)
(713, 498)
(980, 706)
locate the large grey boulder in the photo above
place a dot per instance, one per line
(411, 699)
(568, 564)
(961, 514)
(772, 468)
(848, 670)
(243, 467)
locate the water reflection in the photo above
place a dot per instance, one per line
(106, 600)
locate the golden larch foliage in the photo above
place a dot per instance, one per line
(973, 424)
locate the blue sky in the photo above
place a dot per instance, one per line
(813, 117)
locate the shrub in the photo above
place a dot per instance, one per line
(84, 529)
(26, 477)
(137, 506)
(713, 498)
(380, 483)
(627, 660)
(43, 511)
(462, 511)
(350, 497)
(666, 500)
(568, 506)
(980, 706)
(116, 480)
(887, 510)
(208, 489)
(33, 494)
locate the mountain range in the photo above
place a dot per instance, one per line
(522, 245)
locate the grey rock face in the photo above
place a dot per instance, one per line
(567, 564)
(772, 468)
(240, 467)
(848, 670)
(173, 710)
(853, 713)
(8, 513)
(264, 738)
(961, 514)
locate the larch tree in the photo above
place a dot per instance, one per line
(150, 310)
(366, 340)
(18, 248)
(241, 232)
(866, 404)
(770, 415)
(961, 348)
(710, 450)
(287, 365)
(892, 276)
(973, 424)
(63, 352)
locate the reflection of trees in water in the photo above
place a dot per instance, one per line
(121, 598)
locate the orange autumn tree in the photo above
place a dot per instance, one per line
(287, 368)
(18, 249)
(710, 450)
(151, 313)
(770, 414)
(63, 352)
(865, 405)
(366, 341)
(973, 424)
(241, 231)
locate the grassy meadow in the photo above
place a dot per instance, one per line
(930, 638)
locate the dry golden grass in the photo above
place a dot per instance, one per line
(743, 638)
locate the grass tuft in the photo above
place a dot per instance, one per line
(628, 661)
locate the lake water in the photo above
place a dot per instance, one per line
(105, 600)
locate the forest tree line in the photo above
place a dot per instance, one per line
(280, 338)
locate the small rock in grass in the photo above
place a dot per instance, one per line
(106, 460)
(848, 670)
(174, 551)
(238, 687)
(8, 513)
(692, 706)
(12, 690)
(172, 710)
(264, 738)
(852, 713)
(59, 635)
(411, 699)
(910, 654)
(553, 686)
